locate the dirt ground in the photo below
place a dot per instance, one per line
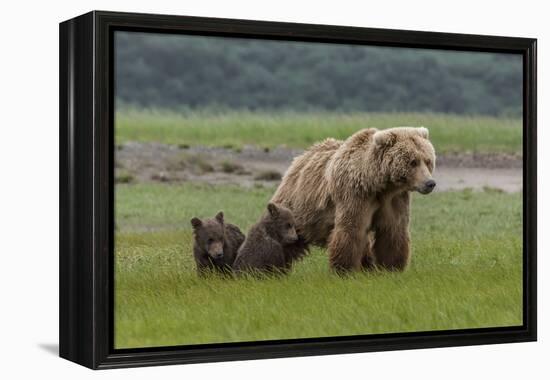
(253, 166)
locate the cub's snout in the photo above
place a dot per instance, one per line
(215, 250)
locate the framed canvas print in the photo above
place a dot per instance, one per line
(237, 189)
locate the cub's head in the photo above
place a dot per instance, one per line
(407, 158)
(282, 221)
(209, 235)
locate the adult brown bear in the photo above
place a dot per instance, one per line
(353, 195)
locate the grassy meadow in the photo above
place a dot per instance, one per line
(449, 133)
(465, 272)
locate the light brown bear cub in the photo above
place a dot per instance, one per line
(216, 244)
(264, 247)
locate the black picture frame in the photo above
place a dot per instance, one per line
(86, 108)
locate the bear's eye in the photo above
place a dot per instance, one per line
(413, 163)
(429, 163)
(210, 241)
(289, 226)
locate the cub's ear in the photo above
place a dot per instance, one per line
(196, 222)
(219, 217)
(273, 209)
(423, 131)
(384, 138)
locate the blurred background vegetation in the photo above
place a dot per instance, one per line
(196, 72)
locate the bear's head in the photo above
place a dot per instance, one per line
(407, 157)
(209, 235)
(281, 223)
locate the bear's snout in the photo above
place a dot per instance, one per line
(215, 250)
(291, 238)
(216, 255)
(428, 187)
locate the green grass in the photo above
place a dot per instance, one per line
(465, 273)
(449, 133)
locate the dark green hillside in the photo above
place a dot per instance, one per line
(197, 72)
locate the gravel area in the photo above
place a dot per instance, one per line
(253, 166)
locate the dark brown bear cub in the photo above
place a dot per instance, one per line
(216, 244)
(264, 247)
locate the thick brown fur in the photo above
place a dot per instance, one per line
(265, 247)
(215, 244)
(353, 196)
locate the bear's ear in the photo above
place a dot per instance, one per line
(273, 209)
(196, 222)
(384, 138)
(423, 131)
(219, 217)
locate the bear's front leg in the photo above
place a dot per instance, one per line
(391, 247)
(348, 240)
